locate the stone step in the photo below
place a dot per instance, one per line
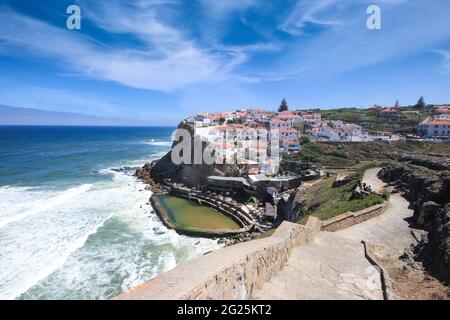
(330, 267)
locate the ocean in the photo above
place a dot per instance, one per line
(74, 224)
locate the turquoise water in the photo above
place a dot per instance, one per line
(74, 224)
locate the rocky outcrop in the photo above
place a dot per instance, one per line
(434, 249)
(425, 182)
(288, 207)
(194, 175)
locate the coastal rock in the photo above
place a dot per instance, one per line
(425, 182)
(193, 175)
(288, 207)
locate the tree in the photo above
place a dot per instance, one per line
(283, 106)
(397, 104)
(421, 103)
(304, 140)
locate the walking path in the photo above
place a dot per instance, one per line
(334, 266)
(370, 178)
(330, 267)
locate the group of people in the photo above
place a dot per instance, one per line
(364, 187)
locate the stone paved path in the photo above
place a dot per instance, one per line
(334, 266)
(330, 267)
(391, 229)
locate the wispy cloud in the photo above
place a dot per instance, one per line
(169, 65)
(166, 59)
(323, 12)
(351, 45)
(446, 57)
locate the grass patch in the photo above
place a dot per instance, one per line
(325, 202)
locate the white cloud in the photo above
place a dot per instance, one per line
(408, 29)
(311, 11)
(326, 13)
(170, 65)
(446, 57)
(166, 59)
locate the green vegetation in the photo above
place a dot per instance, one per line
(304, 140)
(324, 201)
(345, 155)
(421, 103)
(370, 119)
(283, 106)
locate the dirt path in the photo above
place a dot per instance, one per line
(391, 233)
(370, 178)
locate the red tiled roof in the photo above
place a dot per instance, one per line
(437, 122)
(278, 120)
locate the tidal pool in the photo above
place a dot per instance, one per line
(189, 214)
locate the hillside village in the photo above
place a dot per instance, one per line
(263, 160)
(248, 133)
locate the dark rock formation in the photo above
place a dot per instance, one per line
(288, 207)
(436, 251)
(193, 175)
(426, 184)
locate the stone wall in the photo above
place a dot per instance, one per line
(351, 218)
(233, 272)
(195, 232)
(233, 211)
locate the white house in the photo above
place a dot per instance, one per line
(435, 128)
(278, 124)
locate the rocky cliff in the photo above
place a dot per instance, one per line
(164, 170)
(426, 183)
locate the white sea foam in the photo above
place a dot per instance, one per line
(92, 242)
(159, 143)
(23, 210)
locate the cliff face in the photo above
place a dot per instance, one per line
(188, 174)
(426, 183)
(288, 207)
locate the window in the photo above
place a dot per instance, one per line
(435, 132)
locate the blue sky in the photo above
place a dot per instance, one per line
(160, 60)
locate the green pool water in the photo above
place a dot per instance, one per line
(189, 214)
